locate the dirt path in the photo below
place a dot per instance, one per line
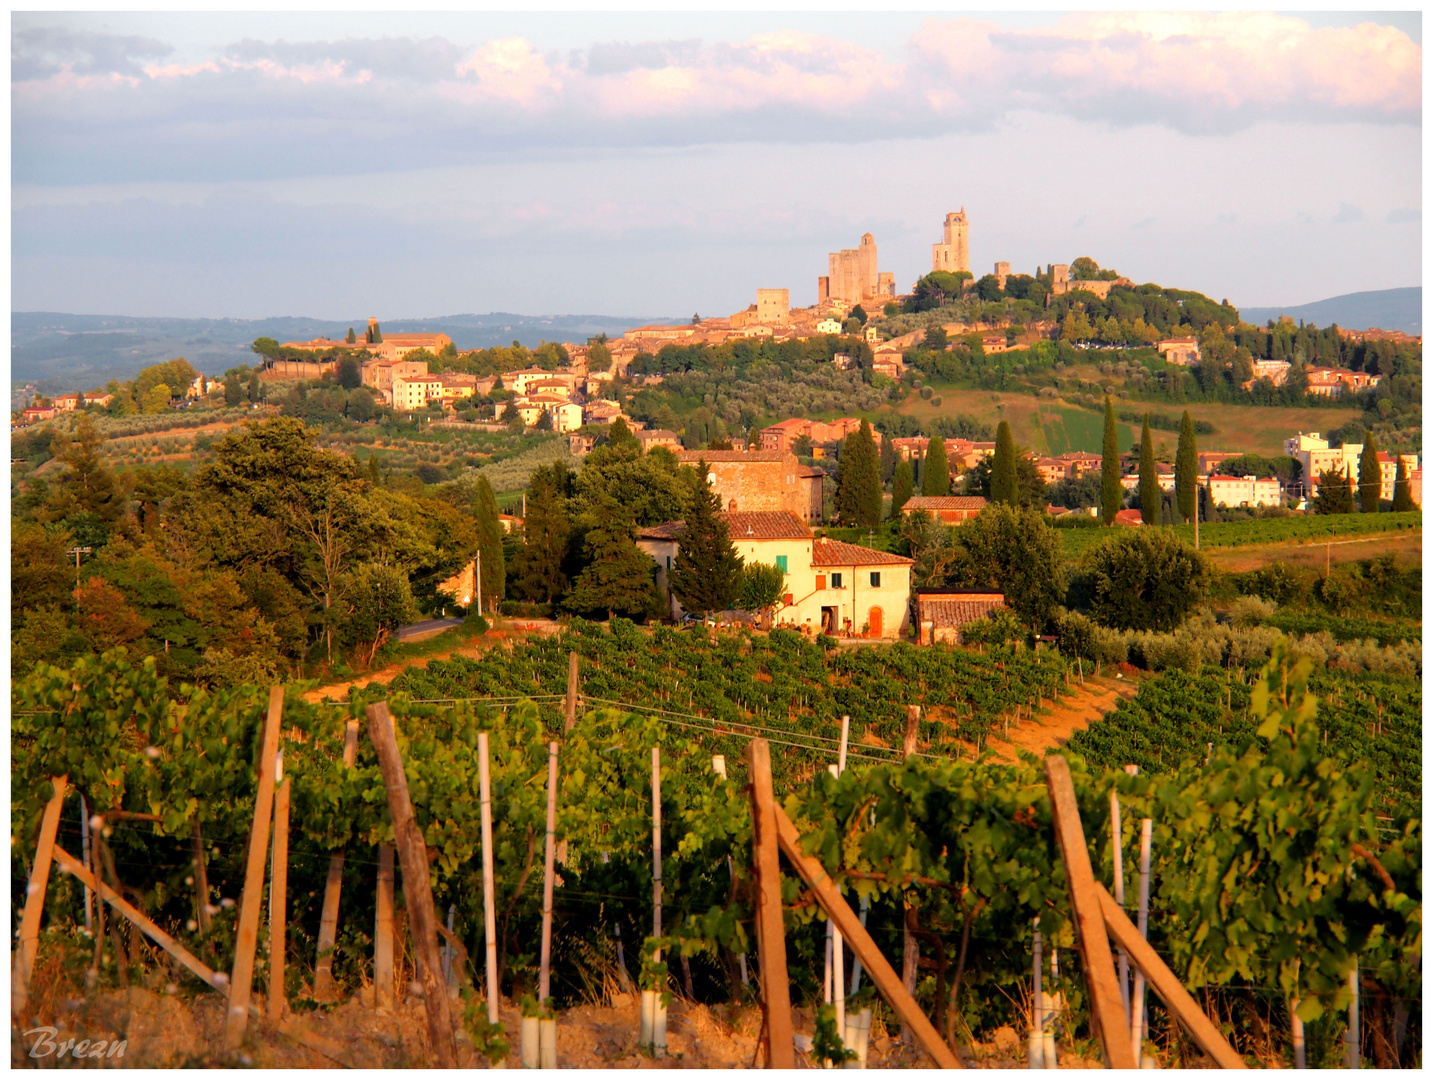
(1066, 716)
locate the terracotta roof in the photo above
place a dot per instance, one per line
(808, 472)
(944, 502)
(649, 434)
(838, 553)
(956, 613)
(766, 525)
(668, 530)
(691, 457)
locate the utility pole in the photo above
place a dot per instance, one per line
(77, 552)
(1196, 513)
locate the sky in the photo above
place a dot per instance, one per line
(257, 164)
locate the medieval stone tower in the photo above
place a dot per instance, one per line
(954, 253)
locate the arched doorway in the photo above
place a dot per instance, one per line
(876, 620)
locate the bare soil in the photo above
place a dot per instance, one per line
(1407, 550)
(163, 1030)
(1052, 726)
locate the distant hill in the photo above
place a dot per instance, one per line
(1386, 309)
(61, 352)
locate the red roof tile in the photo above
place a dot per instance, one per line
(838, 553)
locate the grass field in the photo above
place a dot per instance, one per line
(1069, 430)
(1279, 538)
(1247, 429)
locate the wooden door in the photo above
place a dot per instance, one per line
(875, 619)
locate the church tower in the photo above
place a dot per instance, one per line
(954, 253)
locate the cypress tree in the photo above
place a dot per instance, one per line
(232, 393)
(1111, 494)
(490, 543)
(707, 569)
(1148, 477)
(936, 478)
(858, 479)
(889, 457)
(1370, 476)
(254, 385)
(1004, 485)
(903, 486)
(1402, 494)
(620, 578)
(1186, 469)
(352, 338)
(372, 468)
(538, 566)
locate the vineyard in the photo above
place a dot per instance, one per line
(1271, 877)
(1376, 720)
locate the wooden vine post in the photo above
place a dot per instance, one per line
(383, 932)
(323, 987)
(571, 721)
(1093, 941)
(490, 934)
(840, 913)
(417, 891)
(770, 930)
(241, 981)
(35, 898)
(278, 896)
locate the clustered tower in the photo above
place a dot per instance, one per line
(954, 253)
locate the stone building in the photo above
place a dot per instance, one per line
(943, 612)
(763, 480)
(1183, 351)
(854, 277)
(953, 253)
(950, 509)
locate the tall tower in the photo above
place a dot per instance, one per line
(954, 252)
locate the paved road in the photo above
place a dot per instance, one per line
(428, 626)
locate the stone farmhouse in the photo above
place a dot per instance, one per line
(1183, 351)
(832, 587)
(767, 480)
(1332, 382)
(942, 613)
(951, 509)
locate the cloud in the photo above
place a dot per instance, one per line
(92, 105)
(1347, 213)
(1397, 217)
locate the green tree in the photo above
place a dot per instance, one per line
(760, 588)
(255, 389)
(889, 457)
(266, 347)
(1148, 477)
(619, 434)
(157, 399)
(1402, 494)
(544, 421)
(935, 472)
(1186, 469)
(859, 313)
(350, 373)
(88, 485)
(936, 339)
(1370, 476)
(858, 479)
(374, 336)
(232, 393)
(539, 567)
(373, 477)
(902, 488)
(1015, 551)
(619, 578)
(1335, 494)
(1144, 579)
(378, 600)
(490, 543)
(706, 570)
(1111, 493)
(351, 338)
(1003, 487)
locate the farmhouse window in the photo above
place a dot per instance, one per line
(875, 579)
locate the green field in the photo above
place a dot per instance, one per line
(1312, 529)
(1068, 430)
